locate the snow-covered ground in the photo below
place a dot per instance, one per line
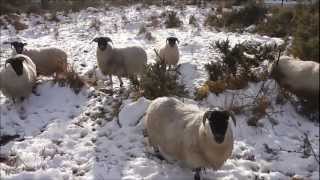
(75, 136)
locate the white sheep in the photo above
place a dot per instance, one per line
(122, 62)
(48, 61)
(200, 139)
(19, 77)
(299, 77)
(170, 52)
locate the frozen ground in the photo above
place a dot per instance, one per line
(68, 136)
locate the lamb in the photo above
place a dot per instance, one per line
(200, 139)
(18, 79)
(170, 52)
(122, 62)
(299, 77)
(48, 61)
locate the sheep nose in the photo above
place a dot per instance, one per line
(219, 138)
(19, 50)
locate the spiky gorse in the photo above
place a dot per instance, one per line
(157, 81)
(237, 66)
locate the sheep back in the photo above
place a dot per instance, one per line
(16, 86)
(121, 61)
(48, 60)
(134, 59)
(299, 77)
(177, 130)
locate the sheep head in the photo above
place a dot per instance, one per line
(102, 42)
(172, 41)
(218, 121)
(16, 64)
(18, 46)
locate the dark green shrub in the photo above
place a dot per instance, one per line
(215, 71)
(231, 57)
(156, 81)
(302, 23)
(213, 20)
(172, 20)
(279, 24)
(305, 43)
(237, 62)
(252, 13)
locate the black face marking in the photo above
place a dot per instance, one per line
(16, 64)
(172, 41)
(102, 42)
(218, 121)
(18, 46)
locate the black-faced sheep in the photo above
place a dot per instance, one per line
(299, 77)
(49, 61)
(18, 77)
(170, 52)
(122, 62)
(201, 139)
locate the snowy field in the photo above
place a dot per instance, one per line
(67, 136)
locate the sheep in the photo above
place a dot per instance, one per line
(200, 139)
(18, 79)
(48, 61)
(299, 77)
(170, 52)
(122, 62)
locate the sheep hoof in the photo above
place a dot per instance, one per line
(158, 154)
(35, 92)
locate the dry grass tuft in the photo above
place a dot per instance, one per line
(202, 92)
(217, 87)
(193, 21)
(15, 21)
(147, 34)
(71, 79)
(95, 24)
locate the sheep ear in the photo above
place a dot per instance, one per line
(7, 61)
(177, 40)
(109, 40)
(24, 44)
(16, 64)
(277, 62)
(233, 118)
(12, 44)
(205, 116)
(95, 39)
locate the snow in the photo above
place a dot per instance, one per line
(75, 136)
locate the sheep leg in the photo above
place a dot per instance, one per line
(121, 83)
(34, 91)
(135, 81)
(13, 100)
(110, 78)
(158, 153)
(22, 99)
(197, 174)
